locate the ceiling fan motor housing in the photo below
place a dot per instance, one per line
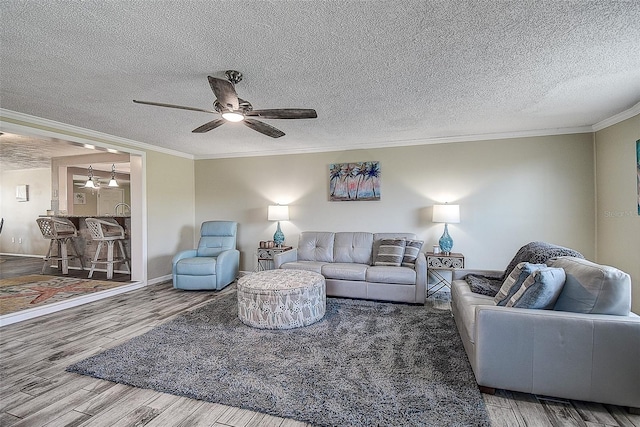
(233, 76)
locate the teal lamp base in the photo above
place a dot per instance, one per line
(278, 237)
(446, 242)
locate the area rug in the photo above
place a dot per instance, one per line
(364, 364)
(23, 292)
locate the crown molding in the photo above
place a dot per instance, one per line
(626, 114)
(57, 129)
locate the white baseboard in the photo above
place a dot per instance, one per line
(22, 255)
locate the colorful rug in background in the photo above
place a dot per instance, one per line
(24, 292)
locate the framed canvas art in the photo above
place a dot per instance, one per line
(354, 181)
(22, 193)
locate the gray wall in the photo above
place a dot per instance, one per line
(618, 227)
(510, 192)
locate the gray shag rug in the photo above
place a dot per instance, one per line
(364, 364)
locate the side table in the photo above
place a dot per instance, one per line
(265, 257)
(440, 262)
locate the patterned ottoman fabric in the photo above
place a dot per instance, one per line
(281, 299)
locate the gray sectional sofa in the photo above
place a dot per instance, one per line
(353, 267)
(585, 345)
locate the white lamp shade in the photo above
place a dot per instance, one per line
(446, 213)
(278, 213)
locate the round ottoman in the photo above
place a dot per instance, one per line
(281, 299)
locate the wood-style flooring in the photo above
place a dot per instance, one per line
(13, 266)
(36, 391)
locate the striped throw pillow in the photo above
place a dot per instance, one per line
(540, 290)
(411, 252)
(390, 252)
(513, 282)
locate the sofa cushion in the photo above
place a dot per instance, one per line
(314, 266)
(316, 246)
(390, 252)
(353, 247)
(514, 281)
(197, 266)
(344, 271)
(593, 288)
(411, 251)
(540, 290)
(386, 274)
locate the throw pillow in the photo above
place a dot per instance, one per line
(513, 282)
(390, 252)
(411, 251)
(540, 290)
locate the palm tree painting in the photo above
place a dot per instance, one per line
(354, 181)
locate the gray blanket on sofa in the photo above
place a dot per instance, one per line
(534, 252)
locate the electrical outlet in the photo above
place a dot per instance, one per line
(13, 240)
(20, 240)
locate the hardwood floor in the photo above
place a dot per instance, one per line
(12, 266)
(36, 390)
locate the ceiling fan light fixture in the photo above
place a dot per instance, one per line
(233, 116)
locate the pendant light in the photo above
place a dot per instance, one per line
(113, 182)
(90, 183)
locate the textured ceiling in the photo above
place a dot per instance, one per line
(378, 73)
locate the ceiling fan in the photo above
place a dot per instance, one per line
(234, 109)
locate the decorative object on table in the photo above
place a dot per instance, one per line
(354, 181)
(112, 181)
(449, 214)
(436, 249)
(22, 193)
(278, 213)
(309, 374)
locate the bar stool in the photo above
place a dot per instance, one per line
(60, 231)
(109, 232)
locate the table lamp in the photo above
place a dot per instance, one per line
(449, 214)
(278, 213)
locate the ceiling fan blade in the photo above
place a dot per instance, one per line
(263, 128)
(209, 126)
(181, 107)
(225, 92)
(284, 113)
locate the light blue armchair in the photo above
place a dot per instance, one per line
(214, 264)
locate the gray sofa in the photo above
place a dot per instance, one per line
(349, 261)
(585, 346)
